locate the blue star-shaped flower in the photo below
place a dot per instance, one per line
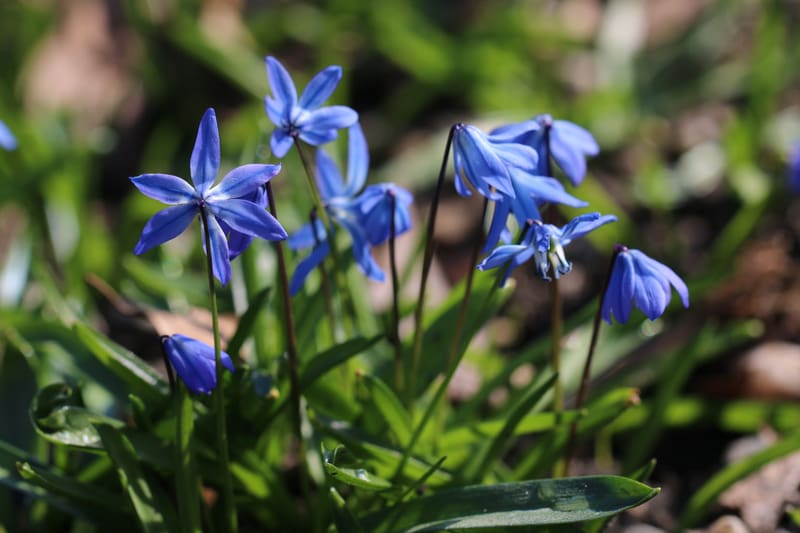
(230, 202)
(485, 165)
(567, 143)
(194, 362)
(638, 279)
(365, 217)
(545, 243)
(304, 118)
(7, 139)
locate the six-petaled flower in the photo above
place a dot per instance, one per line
(304, 117)
(641, 280)
(194, 362)
(365, 217)
(229, 202)
(545, 244)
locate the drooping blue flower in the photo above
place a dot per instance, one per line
(194, 362)
(304, 118)
(530, 193)
(229, 202)
(545, 243)
(568, 144)
(793, 174)
(365, 217)
(485, 165)
(375, 205)
(7, 139)
(638, 279)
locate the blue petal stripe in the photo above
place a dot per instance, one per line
(220, 259)
(204, 163)
(282, 86)
(242, 181)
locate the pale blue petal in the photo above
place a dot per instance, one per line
(501, 255)
(544, 190)
(248, 218)
(583, 224)
(329, 179)
(305, 237)
(164, 226)
(165, 188)
(318, 137)
(7, 139)
(357, 160)
(361, 251)
(518, 155)
(242, 181)
(204, 163)
(575, 136)
(282, 86)
(502, 208)
(280, 143)
(333, 117)
(513, 133)
(275, 112)
(304, 267)
(321, 87)
(569, 159)
(477, 163)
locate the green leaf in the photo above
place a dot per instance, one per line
(527, 503)
(389, 407)
(70, 488)
(138, 375)
(342, 517)
(333, 357)
(151, 511)
(702, 500)
(493, 448)
(58, 416)
(357, 477)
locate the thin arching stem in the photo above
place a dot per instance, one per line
(427, 259)
(583, 391)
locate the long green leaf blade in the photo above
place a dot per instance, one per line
(539, 502)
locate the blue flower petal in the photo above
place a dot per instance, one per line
(478, 164)
(321, 87)
(220, 258)
(165, 188)
(304, 267)
(583, 224)
(361, 251)
(328, 118)
(242, 181)
(280, 143)
(569, 159)
(305, 236)
(329, 179)
(519, 156)
(357, 160)
(165, 225)
(513, 133)
(195, 362)
(248, 218)
(317, 138)
(375, 206)
(7, 139)
(574, 135)
(282, 86)
(204, 163)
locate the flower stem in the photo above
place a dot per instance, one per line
(230, 518)
(556, 332)
(326, 286)
(394, 335)
(583, 391)
(322, 213)
(427, 259)
(455, 353)
(291, 350)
